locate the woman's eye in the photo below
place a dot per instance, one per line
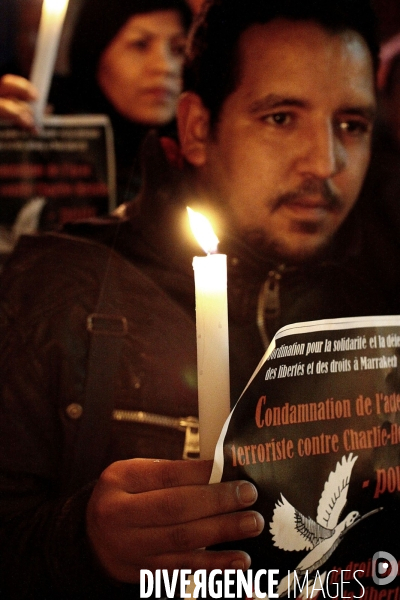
(140, 44)
(178, 48)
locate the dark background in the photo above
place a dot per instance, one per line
(19, 20)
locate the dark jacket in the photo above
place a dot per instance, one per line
(132, 278)
(47, 314)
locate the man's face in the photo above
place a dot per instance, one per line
(291, 148)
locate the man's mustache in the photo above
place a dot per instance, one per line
(312, 187)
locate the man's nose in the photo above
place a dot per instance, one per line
(323, 154)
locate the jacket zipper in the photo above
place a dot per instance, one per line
(190, 425)
(269, 306)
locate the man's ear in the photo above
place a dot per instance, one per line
(193, 128)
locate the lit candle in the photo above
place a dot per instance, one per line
(210, 277)
(47, 42)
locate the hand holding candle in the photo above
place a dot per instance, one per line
(210, 274)
(48, 39)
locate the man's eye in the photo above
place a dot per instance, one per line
(281, 118)
(354, 127)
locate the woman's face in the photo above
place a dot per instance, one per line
(140, 70)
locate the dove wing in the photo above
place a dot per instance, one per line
(334, 495)
(291, 530)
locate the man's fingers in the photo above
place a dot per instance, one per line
(140, 544)
(173, 506)
(178, 546)
(196, 560)
(197, 534)
(203, 559)
(142, 511)
(143, 475)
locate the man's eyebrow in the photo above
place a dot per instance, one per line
(367, 112)
(272, 101)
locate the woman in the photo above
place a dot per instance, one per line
(126, 58)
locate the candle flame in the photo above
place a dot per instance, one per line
(203, 231)
(55, 7)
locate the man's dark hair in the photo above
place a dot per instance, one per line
(212, 67)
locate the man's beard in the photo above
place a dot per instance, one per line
(276, 249)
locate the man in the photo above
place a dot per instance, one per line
(275, 129)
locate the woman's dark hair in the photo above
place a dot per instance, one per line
(212, 67)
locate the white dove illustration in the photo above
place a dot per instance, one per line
(293, 531)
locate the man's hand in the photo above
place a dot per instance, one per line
(15, 95)
(149, 514)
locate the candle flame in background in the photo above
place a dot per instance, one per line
(55, 7)
(203, 231)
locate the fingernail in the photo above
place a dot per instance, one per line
(247, 493)
(249, 524)
(238, 565)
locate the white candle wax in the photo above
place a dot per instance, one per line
(210, 275)
(47, 42)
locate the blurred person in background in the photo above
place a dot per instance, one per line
(125, 60)
(381, 191)
(388, 80)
